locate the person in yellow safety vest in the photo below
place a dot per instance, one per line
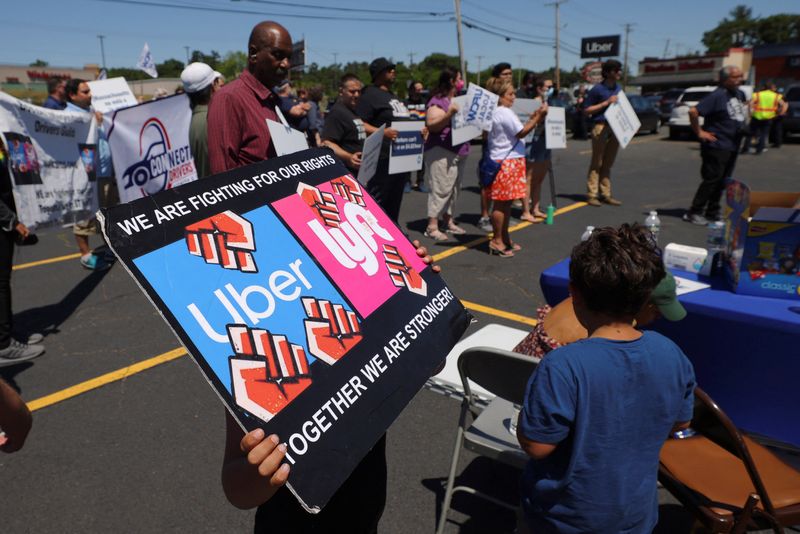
(766, 104)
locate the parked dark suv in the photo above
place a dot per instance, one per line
(791, 122)
(667, 101)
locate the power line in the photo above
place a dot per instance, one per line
(351, 9)
(194, 7)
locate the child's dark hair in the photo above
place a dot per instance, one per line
(616, 269)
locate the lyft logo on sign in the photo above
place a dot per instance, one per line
(354, 241)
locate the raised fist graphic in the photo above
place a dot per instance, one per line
(225, 239)
(402, 273)
(349, 189)
(331, 331)
(267, 370)
(323, 204)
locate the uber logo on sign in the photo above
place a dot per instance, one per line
(606, 46)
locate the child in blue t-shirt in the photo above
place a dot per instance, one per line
(597, 411)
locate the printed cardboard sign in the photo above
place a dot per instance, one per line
(555, 128)
(305, 307)
(523, 107)
(622, 119)
(479, 107)
(462, 132)
(407, 148)
(370, 155)
(111, 94)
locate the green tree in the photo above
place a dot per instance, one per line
(741, 28)
(232, 65)
(212, 60)
(40, 63)
(170, 68)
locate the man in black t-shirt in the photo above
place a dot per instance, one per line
(378, 106)
(344, 131)
(724, 111)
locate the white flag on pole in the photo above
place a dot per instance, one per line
(146, 62)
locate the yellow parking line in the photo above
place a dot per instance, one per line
(475, 242)
(45, 262)
(102, 380)
(499, 313)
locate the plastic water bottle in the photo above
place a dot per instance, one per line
(715, 244)
(653, 223)
(587, 233)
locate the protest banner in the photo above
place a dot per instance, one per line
(523, 107)
(622, 119)
(405, 152)
(150, 146)
(111, 94)
(478, 108)
(555, 128)
(305, 307)
(460, 131)
(286, 139)
(49, 153)
(370, 155)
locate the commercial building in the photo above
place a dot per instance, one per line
(660, 74)
(777, 62)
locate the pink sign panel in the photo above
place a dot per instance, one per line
(356, 243)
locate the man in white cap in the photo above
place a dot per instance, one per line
(200, 82)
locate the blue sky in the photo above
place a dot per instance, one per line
(65, 33)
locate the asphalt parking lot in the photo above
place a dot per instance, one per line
(129, 437)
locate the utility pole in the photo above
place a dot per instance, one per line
(335, 56)
(666, 49)
(479, 69)
(102, 50)
(410, 59)
(519, 74)
(557, 5)
(460, 43)
(187, 54)
(625, 62)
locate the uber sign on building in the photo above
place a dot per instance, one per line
(606, 46)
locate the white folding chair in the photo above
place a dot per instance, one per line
(504, 374)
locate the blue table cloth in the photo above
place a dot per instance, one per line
(745, 351)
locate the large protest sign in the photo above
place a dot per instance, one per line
(370, 155)
(50, 153)
(622, 119)
(406, 150)
(111, 94)
(305, 307)
(555, 128)
(150, 146)
(478, 108)
(523, 107)
(460, 131)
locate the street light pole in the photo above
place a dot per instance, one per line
(187, 54)
(102, 50)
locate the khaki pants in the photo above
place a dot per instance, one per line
(604, 151)
(444, 169)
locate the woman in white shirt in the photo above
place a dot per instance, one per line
(506, 145)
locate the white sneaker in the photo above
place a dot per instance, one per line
(485, 224)
(17, 352)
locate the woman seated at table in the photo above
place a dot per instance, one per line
(558, 326)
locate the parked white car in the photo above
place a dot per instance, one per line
(679, 117)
